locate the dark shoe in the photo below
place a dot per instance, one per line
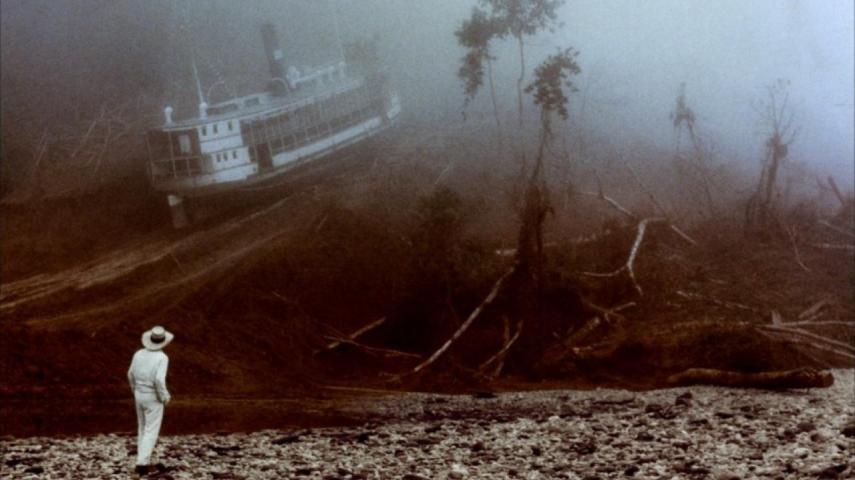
(141, 469)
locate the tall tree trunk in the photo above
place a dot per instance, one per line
(493, 93)
(495, 104)
(521, 79)
(769, 187)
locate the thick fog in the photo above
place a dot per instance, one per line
(69, 56)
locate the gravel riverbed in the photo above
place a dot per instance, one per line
(697, 432)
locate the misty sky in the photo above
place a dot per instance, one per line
(634, 55)
(726, 51)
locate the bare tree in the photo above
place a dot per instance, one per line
(694, 164)
(684, 116)
(777, 119)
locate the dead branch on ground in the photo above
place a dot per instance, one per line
(791, 232)
(837, 229)
(813, 310)
(353, 336)
(829, 323)
(798, 332)
(625, 211)
(837, 193)
(499, 357)
(628, 266)
(715, 301)
(661, 209)
(372, 350)
(833, 246)
(491, 297)
(775, 380)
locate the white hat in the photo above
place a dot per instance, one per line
(156, 338)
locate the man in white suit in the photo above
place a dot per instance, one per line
(147, 377)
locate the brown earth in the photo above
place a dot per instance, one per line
(411, 231)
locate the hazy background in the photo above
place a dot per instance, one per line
(61, 60)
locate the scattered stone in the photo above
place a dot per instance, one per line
(484, 395)
(834, 471)
(801, 452)
(458, 472)
(683, 400)
(616, 399)
(286, 439)
(519, 436)
(805, 427)
(724, 474)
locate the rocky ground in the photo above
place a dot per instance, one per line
(698, 432)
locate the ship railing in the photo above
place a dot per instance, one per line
(176, 167)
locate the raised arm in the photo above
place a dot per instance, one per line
(160, 380)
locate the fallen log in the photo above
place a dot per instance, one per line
(774, 380)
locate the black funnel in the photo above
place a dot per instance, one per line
(275, 59)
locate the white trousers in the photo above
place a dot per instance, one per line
(149, 418)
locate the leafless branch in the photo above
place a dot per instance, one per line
(843, 346)
(491, 297)
(373, 350)
(715, 301)
(633, 253)
(791, 231)
(499, 356)
(814, 309)
(837, 229)
(834, 246)
(353, 336)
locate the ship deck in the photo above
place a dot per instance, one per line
(273, 105)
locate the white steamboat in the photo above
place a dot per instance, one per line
(301, 117)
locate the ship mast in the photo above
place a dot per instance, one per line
(198, 82)
(337, 31)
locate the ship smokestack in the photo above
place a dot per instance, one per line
(275, 59)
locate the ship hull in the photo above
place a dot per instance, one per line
(238, 179)
(346, 161)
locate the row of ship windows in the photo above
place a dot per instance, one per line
(215, 128)
(222, 157)
(314, 112)
(290, 142)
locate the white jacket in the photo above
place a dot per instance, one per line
(148, 373)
